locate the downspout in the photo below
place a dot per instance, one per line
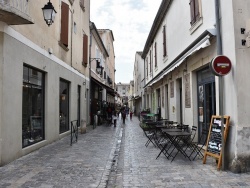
(71, 38)
(144, 100)
(219, 52)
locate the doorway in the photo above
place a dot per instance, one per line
(179, 102)
(206, 99)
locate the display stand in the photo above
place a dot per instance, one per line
(213, 147)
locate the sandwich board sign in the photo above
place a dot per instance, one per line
(214, 139)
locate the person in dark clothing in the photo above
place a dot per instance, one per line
(123, 116)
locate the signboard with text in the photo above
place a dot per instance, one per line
(214, 139)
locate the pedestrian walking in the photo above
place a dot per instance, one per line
(131, 114)
(114, 117)
(123, 116)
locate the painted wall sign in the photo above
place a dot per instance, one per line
(187, 91)
(220, 65)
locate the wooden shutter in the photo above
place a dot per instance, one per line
(85, 50)
(64, 24)
(82, 4)
(155, 54)
(194, 11)
(150, 63)
(164, 42)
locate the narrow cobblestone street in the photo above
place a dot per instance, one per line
(114, 158)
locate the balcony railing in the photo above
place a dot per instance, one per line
(15, 12)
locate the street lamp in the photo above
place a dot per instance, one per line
(49, 13)
(98, 66)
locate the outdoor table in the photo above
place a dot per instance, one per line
(174, 138)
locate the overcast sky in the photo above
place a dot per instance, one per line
(130, 22)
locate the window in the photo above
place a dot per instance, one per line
(64, 106)
(194, 11)
(150, 62)
(82, 5)
(33, 106)
(147, 66)
(85, 50)
(64, 24)
(155, 54)
(164, 42)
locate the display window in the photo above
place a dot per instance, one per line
(33, 106)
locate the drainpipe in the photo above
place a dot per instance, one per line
(219, 52)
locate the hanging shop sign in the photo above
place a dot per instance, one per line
(220, 65)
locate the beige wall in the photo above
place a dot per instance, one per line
(49, 37)
(29, 44)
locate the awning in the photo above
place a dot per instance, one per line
(203, 43)
(109, 90)
(137, 97)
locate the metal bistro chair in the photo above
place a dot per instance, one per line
(198, 146)
(149, 132)
(188, 143)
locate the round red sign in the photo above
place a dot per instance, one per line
(220, 65)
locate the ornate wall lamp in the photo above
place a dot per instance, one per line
(49, 13)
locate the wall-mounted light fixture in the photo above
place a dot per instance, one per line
(98, 66)
(49, 13)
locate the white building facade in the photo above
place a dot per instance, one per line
(178, 80)
(138, 83)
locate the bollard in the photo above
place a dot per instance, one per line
(83, 126)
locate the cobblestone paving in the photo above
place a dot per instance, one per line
(141, 169)
(86, 163)
(113, 158)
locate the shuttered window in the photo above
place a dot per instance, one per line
(85, 50)
(82, 4)
(64, 24)
(150, 62)
(164, 41)
(194, 11)
(155, 54)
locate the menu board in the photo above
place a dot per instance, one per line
(214, 140)
(214, 144)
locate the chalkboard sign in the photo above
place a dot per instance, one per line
(213, 147)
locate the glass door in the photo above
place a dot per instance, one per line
(206, 99)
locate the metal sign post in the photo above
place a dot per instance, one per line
(221, 66)
(222, 121)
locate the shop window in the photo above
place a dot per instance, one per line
(33, 106)
(64, 106)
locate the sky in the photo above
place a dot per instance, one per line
(130, 22)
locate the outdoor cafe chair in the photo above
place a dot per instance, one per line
(149, 132)
(198, 146)
(174, 142)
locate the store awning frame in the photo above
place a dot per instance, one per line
(201, 42)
